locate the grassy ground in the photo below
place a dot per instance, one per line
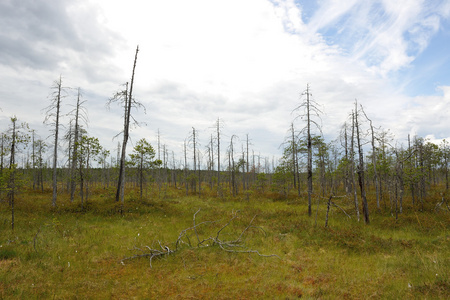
(66, 253)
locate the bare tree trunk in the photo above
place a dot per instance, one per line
(12, 168)
(186, 184)
(361, 170)
(247, 167)
(55, 149)
(309, 147)
(219, 191)
(75, 148)
(232, 168)
(211, 148)
(126, 131)
(352, 168)
(199, 174)
(374, 161)
(194, 184)
(33, 158)
(121, 182)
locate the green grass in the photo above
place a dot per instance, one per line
(68, 253)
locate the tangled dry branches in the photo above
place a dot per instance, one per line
(235, 246)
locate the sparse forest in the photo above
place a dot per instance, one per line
(358, 216)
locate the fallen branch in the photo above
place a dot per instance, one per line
(228, 246)
(329, 204)
(436, 208)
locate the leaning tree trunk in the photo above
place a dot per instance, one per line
(126, 130)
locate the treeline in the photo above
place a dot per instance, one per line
(363, 158)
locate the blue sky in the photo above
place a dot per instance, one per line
(245, 62)
(431, 68)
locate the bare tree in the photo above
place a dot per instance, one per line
(352, 167)
(232, 167)
(79, 113)
(361, 178)
(53, 113)
(374, 159)
(219, 190)
(126, 97)
(310, 109)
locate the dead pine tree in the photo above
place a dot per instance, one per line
(219, 189)
(185, 169)
(232, 167)
(12, 169)
(52, 117)
(310, 110)
(374, 160)
(353, 167)
(360, 168)
(79, 113)
(126, 97)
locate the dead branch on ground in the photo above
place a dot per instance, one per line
(233, 246)
(438, 205)
(331, 203)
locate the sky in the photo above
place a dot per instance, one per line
(247, 63)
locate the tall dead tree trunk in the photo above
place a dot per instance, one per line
(75, 146)
(247, 167)
(232, 168)
(361, 178)
(186, 184)
(311, 109)
(126, 131)
(120, 192)
(194, 184)
(54, 117)
(12, 168)
(352, 167)
(309, 148)
(374, 160)
(219, 190)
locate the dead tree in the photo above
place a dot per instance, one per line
(374, 160)
(360, 168)
(186, 184)
(79, 113)
(219, 190)
(12, 169)
(53, 115)
(232, 167)
(311, 109)
(352, 167)
(195, 159)
(126, 97)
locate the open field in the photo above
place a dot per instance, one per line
(67, 253)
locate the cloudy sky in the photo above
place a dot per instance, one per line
(246, 62)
